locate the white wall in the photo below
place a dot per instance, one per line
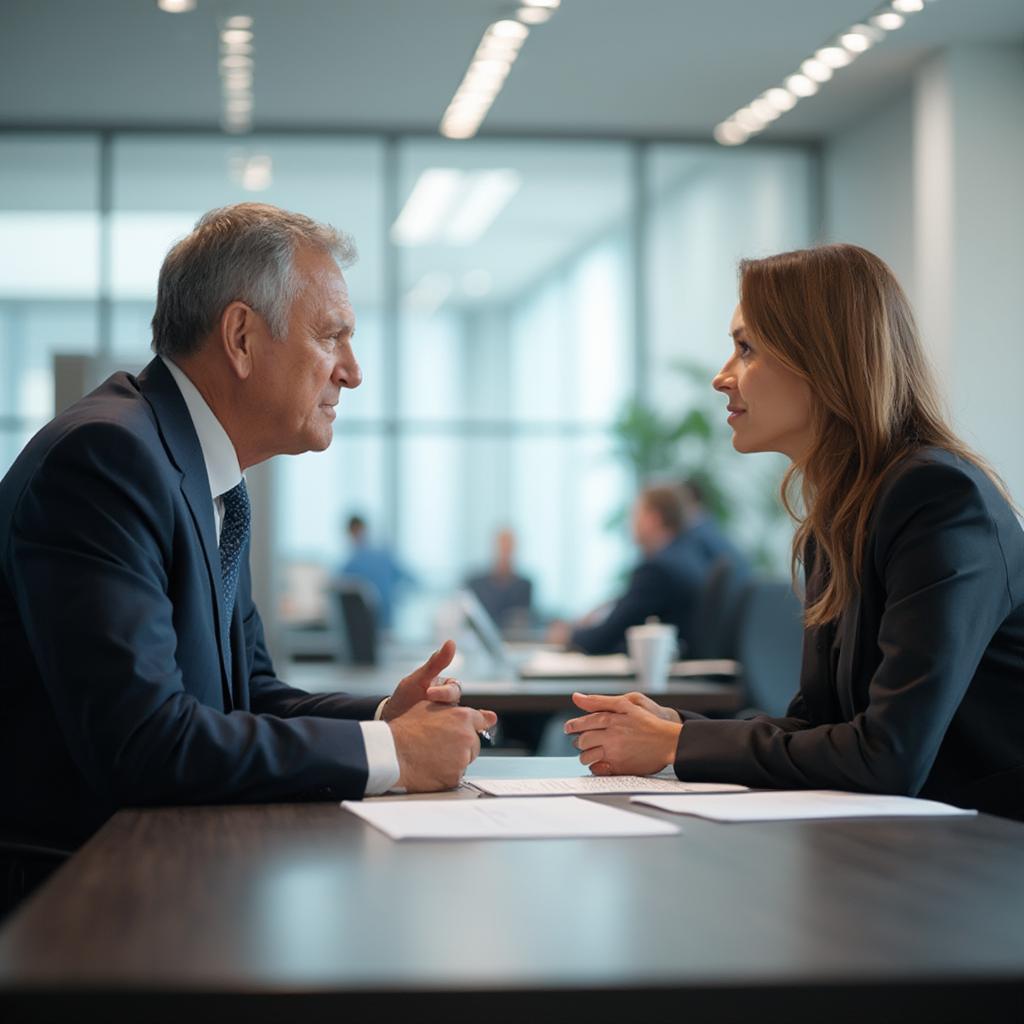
(932, 182)
(868, 186)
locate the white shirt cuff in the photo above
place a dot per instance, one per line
(381, 757)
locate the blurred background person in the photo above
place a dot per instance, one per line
(377, 566)
(505, 594)
(680, 543)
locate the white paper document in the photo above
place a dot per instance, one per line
(523, 818)
(574, 665)
(593, 785)
(793, 805)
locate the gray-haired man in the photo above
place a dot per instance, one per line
(135, 666)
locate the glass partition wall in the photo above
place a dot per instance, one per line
(512, 296)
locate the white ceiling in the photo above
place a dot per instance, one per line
(618, 67)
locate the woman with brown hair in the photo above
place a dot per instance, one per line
(913, 666)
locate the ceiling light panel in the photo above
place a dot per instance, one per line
(837, 53)
(490, 67)
(237, 67)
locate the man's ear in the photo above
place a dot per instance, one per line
(240, 330)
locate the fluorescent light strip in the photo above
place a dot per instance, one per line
(489, 68)
(236, 68)
(843, 49)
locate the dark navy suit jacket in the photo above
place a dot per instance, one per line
(919, 690)
(115, 687)
(668, 585)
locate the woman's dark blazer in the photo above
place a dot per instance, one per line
(920, 688)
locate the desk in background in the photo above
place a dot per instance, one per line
(506, 695)
(303, 913)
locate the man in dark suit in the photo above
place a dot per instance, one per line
(505, 594)
(680, 543)
(135, 670)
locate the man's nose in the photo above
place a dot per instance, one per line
(347, 373)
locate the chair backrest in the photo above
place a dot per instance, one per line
(356, 621)
(716, 621)
(769, 644)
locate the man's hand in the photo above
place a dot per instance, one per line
(424, 684)
(628, 735)
(435, 743)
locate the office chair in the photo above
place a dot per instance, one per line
(25, 864)
(769, 645)
(355, 620)
(717, 620)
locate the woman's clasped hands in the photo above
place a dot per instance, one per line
(626, 735)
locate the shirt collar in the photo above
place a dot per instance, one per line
(222, 469)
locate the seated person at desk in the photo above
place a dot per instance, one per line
(913, 557)
(505, 594)
(376, 565)
(680, 543)
(135, 669)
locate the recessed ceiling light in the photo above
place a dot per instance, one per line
(834, 56)
(781, 99)
(176, 6)
(764, 110)
(840, 51)
(857, 39)
(729, 133)
(508, 29)
(815, 70)
(490, 66)
(801, 85)
(533, 15)
(747, 119)
(888, 20)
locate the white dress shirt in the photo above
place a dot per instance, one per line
(223, 473)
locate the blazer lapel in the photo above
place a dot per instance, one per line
(179, 436)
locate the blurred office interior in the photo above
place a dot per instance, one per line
(577, 257)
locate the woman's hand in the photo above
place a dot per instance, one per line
(628, 735)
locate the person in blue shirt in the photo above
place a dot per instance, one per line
(376, 566)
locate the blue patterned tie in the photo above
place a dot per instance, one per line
(234, 533)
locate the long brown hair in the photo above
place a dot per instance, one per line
(836, 316)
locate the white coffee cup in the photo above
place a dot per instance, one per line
(651, 647)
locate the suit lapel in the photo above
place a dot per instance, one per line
(179, 436)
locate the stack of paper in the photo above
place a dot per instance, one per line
(594, 785)
(792, 805)
(540, 818)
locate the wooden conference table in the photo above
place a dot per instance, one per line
(303, 913)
